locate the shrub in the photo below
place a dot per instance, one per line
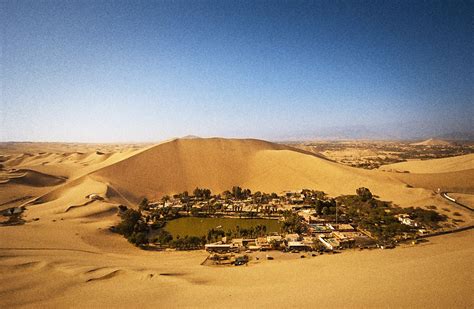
(364, 194)
(130, 218)
(138, 238)
(293, 224)
(163, 237)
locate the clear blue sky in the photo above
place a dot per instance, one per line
(150, 70)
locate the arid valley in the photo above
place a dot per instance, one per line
(63, 252)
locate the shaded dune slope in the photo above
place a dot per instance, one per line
(34, 178)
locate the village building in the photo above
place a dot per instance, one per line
(275, 241)
(263, 243)
(341, 227)
(330, 243)
(221, 247)
(344, 240)
(292, 237)
(320, 228)
(297, 245)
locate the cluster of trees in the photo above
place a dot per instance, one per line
(214, 235)
(133, 227)
(364, 194)
(384, 226)
(310, 194)
(378, 217)
(325, 207)
(263, 198)
(238, 193)
(426, 217)
(183, 197)
(251, 232)
(144, 204)
(259, 230)
(293, 223)
(164, 238)
(188, 242)
(375, 216)
(202, 193)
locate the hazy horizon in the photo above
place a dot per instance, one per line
(103, 71)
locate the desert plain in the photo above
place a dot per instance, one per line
(64, 255)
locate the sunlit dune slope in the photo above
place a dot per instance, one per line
(444, 165)
(67, 164)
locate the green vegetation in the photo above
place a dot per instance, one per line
(202, 193)
(240, 194)
(188, 243)
(133, 227)
(372, 215)
(293, 223)
(188, 222)
(364, 194)
(143, 204)
(379, 217)
(429, 218)
(163, 237)
(251, 232)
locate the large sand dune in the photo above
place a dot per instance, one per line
(219, 164)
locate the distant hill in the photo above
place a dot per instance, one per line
(433, 142)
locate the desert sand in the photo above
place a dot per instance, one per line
(64, 256)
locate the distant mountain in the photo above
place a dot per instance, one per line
(394, 131)
(457, 136)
